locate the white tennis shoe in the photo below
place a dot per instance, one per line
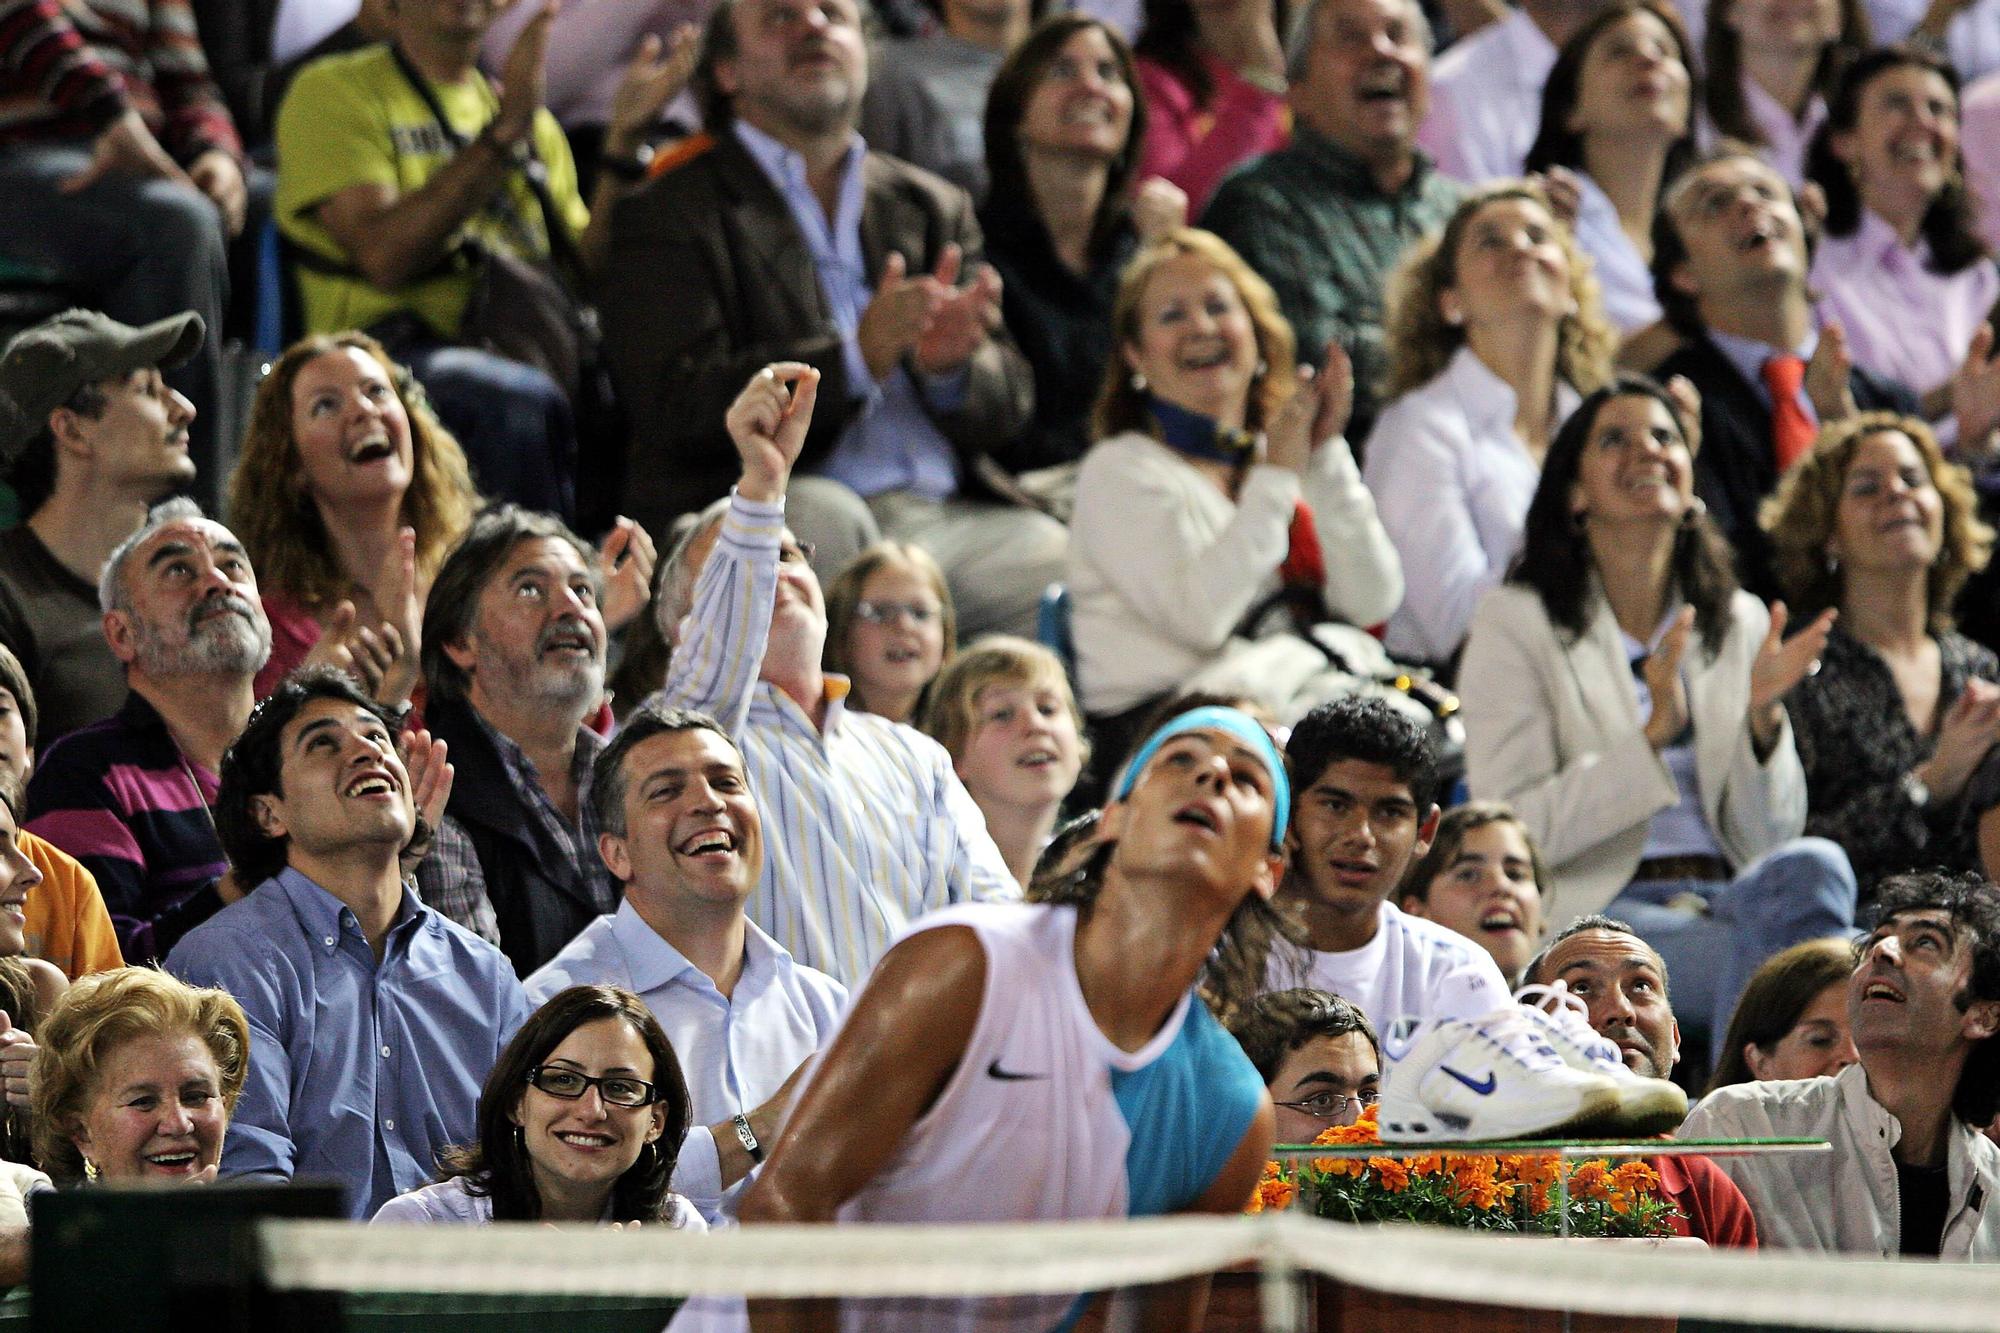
(1646, 1106)
(1496, 1077)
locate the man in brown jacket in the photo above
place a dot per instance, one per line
(777, 236)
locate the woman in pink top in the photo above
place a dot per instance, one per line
(1771, 65)
(1901, 266)
(1213, 73)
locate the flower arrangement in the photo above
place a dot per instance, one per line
(1510, 1192)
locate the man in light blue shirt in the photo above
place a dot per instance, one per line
(373, 1020)
(681, 829)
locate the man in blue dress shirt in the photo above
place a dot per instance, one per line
(373, 1019)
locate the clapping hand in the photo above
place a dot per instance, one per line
(1969, 730)
(961, 318)
(430, 772)
(1829, 375)
(768, 422)
(1975, 394)
(1663, 681)
(17, 1060)
(1780, 665)
(658, 72)
(625, 564)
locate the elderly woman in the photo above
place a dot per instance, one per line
(1618, 112)
(1627, 699)
(1221, 482)
(890, 628)
(1901, 265)
(1063, 128)
(580, 1120)
(1494, 329)
(136, 1079)
(1895, 729)
(1769, 67)
(1792, 1019)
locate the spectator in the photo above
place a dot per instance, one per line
(395, 158)
(590, 1064)
(374, 1019)
(1909, 1167)
(66, 923)
(870, 828)
(123, 446)
(1494, 329)
(1486, 97)
(124, 178)
(1979, 146)
(927, 103)
(1622, 982)
(137, 1078)
(1964, 32)
(1229, 458)
(884, 1133)
(1792, 1019)
(1618, 113)
(132, 797)
(1902, 266)
(1318, 1058)
(1365, 809)
(20, 882)
(846, 261)
(890, 629)
(1004, 712)
(1729, 267)
(1482, 877)
(341, 459)
(1214, 83)
(1768, 68)
(684, 835)
(1895, 727)
(1063, 126)
(1628, 700)
(513, 659)
(1327, 218)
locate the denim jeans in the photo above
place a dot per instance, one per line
(1802, 890)
(513, 421)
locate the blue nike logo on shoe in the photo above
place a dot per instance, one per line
(1483, 1089)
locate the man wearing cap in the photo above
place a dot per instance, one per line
(1058, 1053)
(90, 435)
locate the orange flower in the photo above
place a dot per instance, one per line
(1393, 1175)
(1271, 1170)
(1590, 1180)
(1636, 1176)
(1275, 1195)
(1427, 1165)
(1339, 1166)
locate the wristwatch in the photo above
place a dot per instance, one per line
(747, 1137)
(630, 168)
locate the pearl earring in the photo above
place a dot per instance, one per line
(1138, 382)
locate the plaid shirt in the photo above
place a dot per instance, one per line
(1312, 220)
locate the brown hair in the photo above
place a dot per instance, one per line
(277, 521)
(1722, 59)
(1802, 516)
(1457, 822)
(1122, 408)
(950, 714)
(1778, 993)
(101, 1013)
(1421, 343)
(844, 594)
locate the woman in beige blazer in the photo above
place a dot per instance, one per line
(1624, 695)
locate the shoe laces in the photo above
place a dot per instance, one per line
(1519, 1037)
(1555, 1004)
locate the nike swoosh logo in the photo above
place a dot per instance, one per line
(1483, 1089)
(1008, 1076)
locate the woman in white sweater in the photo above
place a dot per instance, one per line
(1626, 698)
(1220, 480)
(1494, 329)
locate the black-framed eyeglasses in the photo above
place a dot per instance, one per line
(615, 1089)
(918, 614)
(1330, 1105)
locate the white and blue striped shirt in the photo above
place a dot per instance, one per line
(866, 826)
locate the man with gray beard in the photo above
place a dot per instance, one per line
(130, 797)
(513, 657)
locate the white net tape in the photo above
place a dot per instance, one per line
(860, 1261)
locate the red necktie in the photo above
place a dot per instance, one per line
(1792, 431)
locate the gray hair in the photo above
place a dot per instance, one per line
(1304, 30)
(673, 590)
(111, 579)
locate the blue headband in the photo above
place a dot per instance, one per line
(1238, 724)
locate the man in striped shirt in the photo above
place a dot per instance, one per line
(867, 826)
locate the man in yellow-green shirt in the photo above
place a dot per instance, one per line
(376, 199)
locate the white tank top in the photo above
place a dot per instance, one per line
(1045, 1119)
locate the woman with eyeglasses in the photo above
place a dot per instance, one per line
(1318, 1056)
(580, 1121)
(890, 628)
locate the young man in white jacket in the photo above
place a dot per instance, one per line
(1911, 1172)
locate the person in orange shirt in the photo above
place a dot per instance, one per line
(67, 923)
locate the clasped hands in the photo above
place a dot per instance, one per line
(929, 318)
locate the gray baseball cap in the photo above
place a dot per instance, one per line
(42, 367)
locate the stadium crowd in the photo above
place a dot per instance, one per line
(829, 601)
